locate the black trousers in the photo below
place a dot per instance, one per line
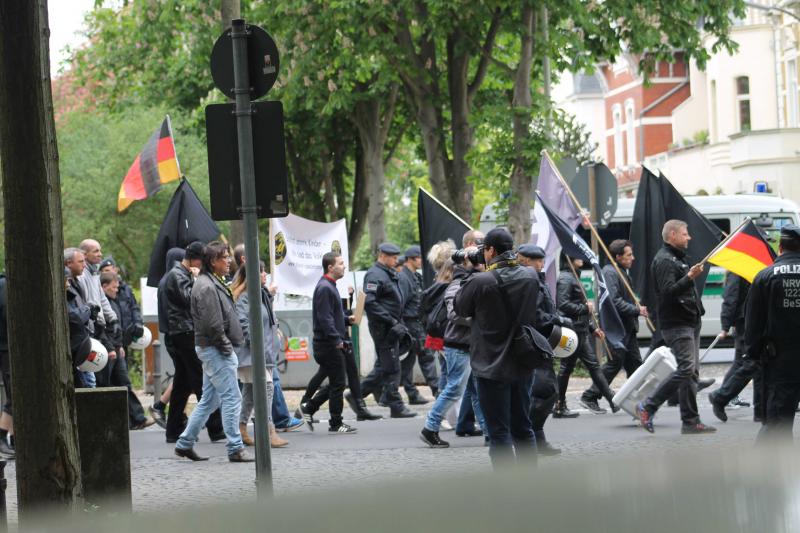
(782, 399)
(544, 394)
(629, 358)
(320, 392)
(331, 362)
(684, 343)
(384, 379)
(115, 374)
(506, 407)
(738, 376)
(585, 353)
(188, 379)
(5, 368)
(417, 352)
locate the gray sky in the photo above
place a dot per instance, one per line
(66, 19)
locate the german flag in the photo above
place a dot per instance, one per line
(155, 165)
(744, 253)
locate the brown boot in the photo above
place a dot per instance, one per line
(274, 440)
(246, 439)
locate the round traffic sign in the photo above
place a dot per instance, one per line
(262, 59)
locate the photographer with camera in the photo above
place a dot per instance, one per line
(457, 335)
(502, 301)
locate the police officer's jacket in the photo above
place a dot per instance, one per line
(623, 302)
(734, 298)
(679, 304)
(493, 317)
(384, 301)
(773, 316)
(571, 302)
(410, 284)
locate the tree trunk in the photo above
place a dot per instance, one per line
(519, 209)
(48, 463)
(358, 212)
(231, 10)
(367, 119)
(327, 180)
(457, 72)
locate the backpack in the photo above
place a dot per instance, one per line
(434, 309)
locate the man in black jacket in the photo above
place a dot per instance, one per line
(628, 358)
(573, 304)
(544, 392)
(410, 281)
(679, 312)
(384, 307)
(496, 301)
(180, 345)
(743, 369)
(329, 343)
(773, 319)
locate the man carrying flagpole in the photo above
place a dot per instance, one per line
(679, 314)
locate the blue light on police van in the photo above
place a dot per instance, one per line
(761, 187)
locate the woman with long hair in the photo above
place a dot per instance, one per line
(269, 325)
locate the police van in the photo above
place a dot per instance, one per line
(726, 211)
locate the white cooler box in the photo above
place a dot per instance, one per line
(656, 368)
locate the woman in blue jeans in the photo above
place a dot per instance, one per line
(457, 369)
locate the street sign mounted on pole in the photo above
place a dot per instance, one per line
(263, 62)
(604, 191)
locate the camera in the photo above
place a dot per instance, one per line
(474, 255)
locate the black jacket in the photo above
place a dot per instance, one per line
(214, 315)
(734, 298)
(624, 303)
(129, 313)
(411, 289)
(178, 290)
(330, 327)
(679, 304)
(546, 313)
(79, 315)
(458, 331)
(115, 331)
(571, 302)
(3, 314)
(494, 317)
(384, 301)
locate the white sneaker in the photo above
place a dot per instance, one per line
(445, 426)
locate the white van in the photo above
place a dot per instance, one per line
(726, 211)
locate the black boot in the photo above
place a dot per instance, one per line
(360, 408)
(562, 411)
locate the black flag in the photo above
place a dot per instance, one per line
(656, 202)
(186, 221)
(574, 246)
(436, 223)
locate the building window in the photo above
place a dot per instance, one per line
(630, 132)
(743, 102)
(616, 112)
(791, 93)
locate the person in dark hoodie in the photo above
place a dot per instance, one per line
(498, 300)
(115, 373)
(457, 334)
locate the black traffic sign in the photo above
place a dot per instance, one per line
(262, 53)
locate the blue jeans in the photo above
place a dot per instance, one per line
(506, 406)
(280, 411)
(90, 379)
(457, 372)
(220, 390)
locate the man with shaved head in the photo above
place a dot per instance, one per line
(90, 281)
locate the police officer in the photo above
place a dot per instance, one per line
(411, 288)
(544, 392)
(629, 357)
(384, 307)
(743, 369)
(773, 319)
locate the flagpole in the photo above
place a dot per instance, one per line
(172, 138)
(586, 301)
(725, 241)
(597, 236)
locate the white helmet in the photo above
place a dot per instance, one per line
(144, 341)
(97, 359)
(567, 344)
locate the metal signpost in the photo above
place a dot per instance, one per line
(252, 72)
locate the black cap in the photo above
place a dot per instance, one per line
(414, 251)
(401, 260)
(389, 248)
(790, 232)
(499, 239)
(194, 251)
(532, 251)
(108, 261)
